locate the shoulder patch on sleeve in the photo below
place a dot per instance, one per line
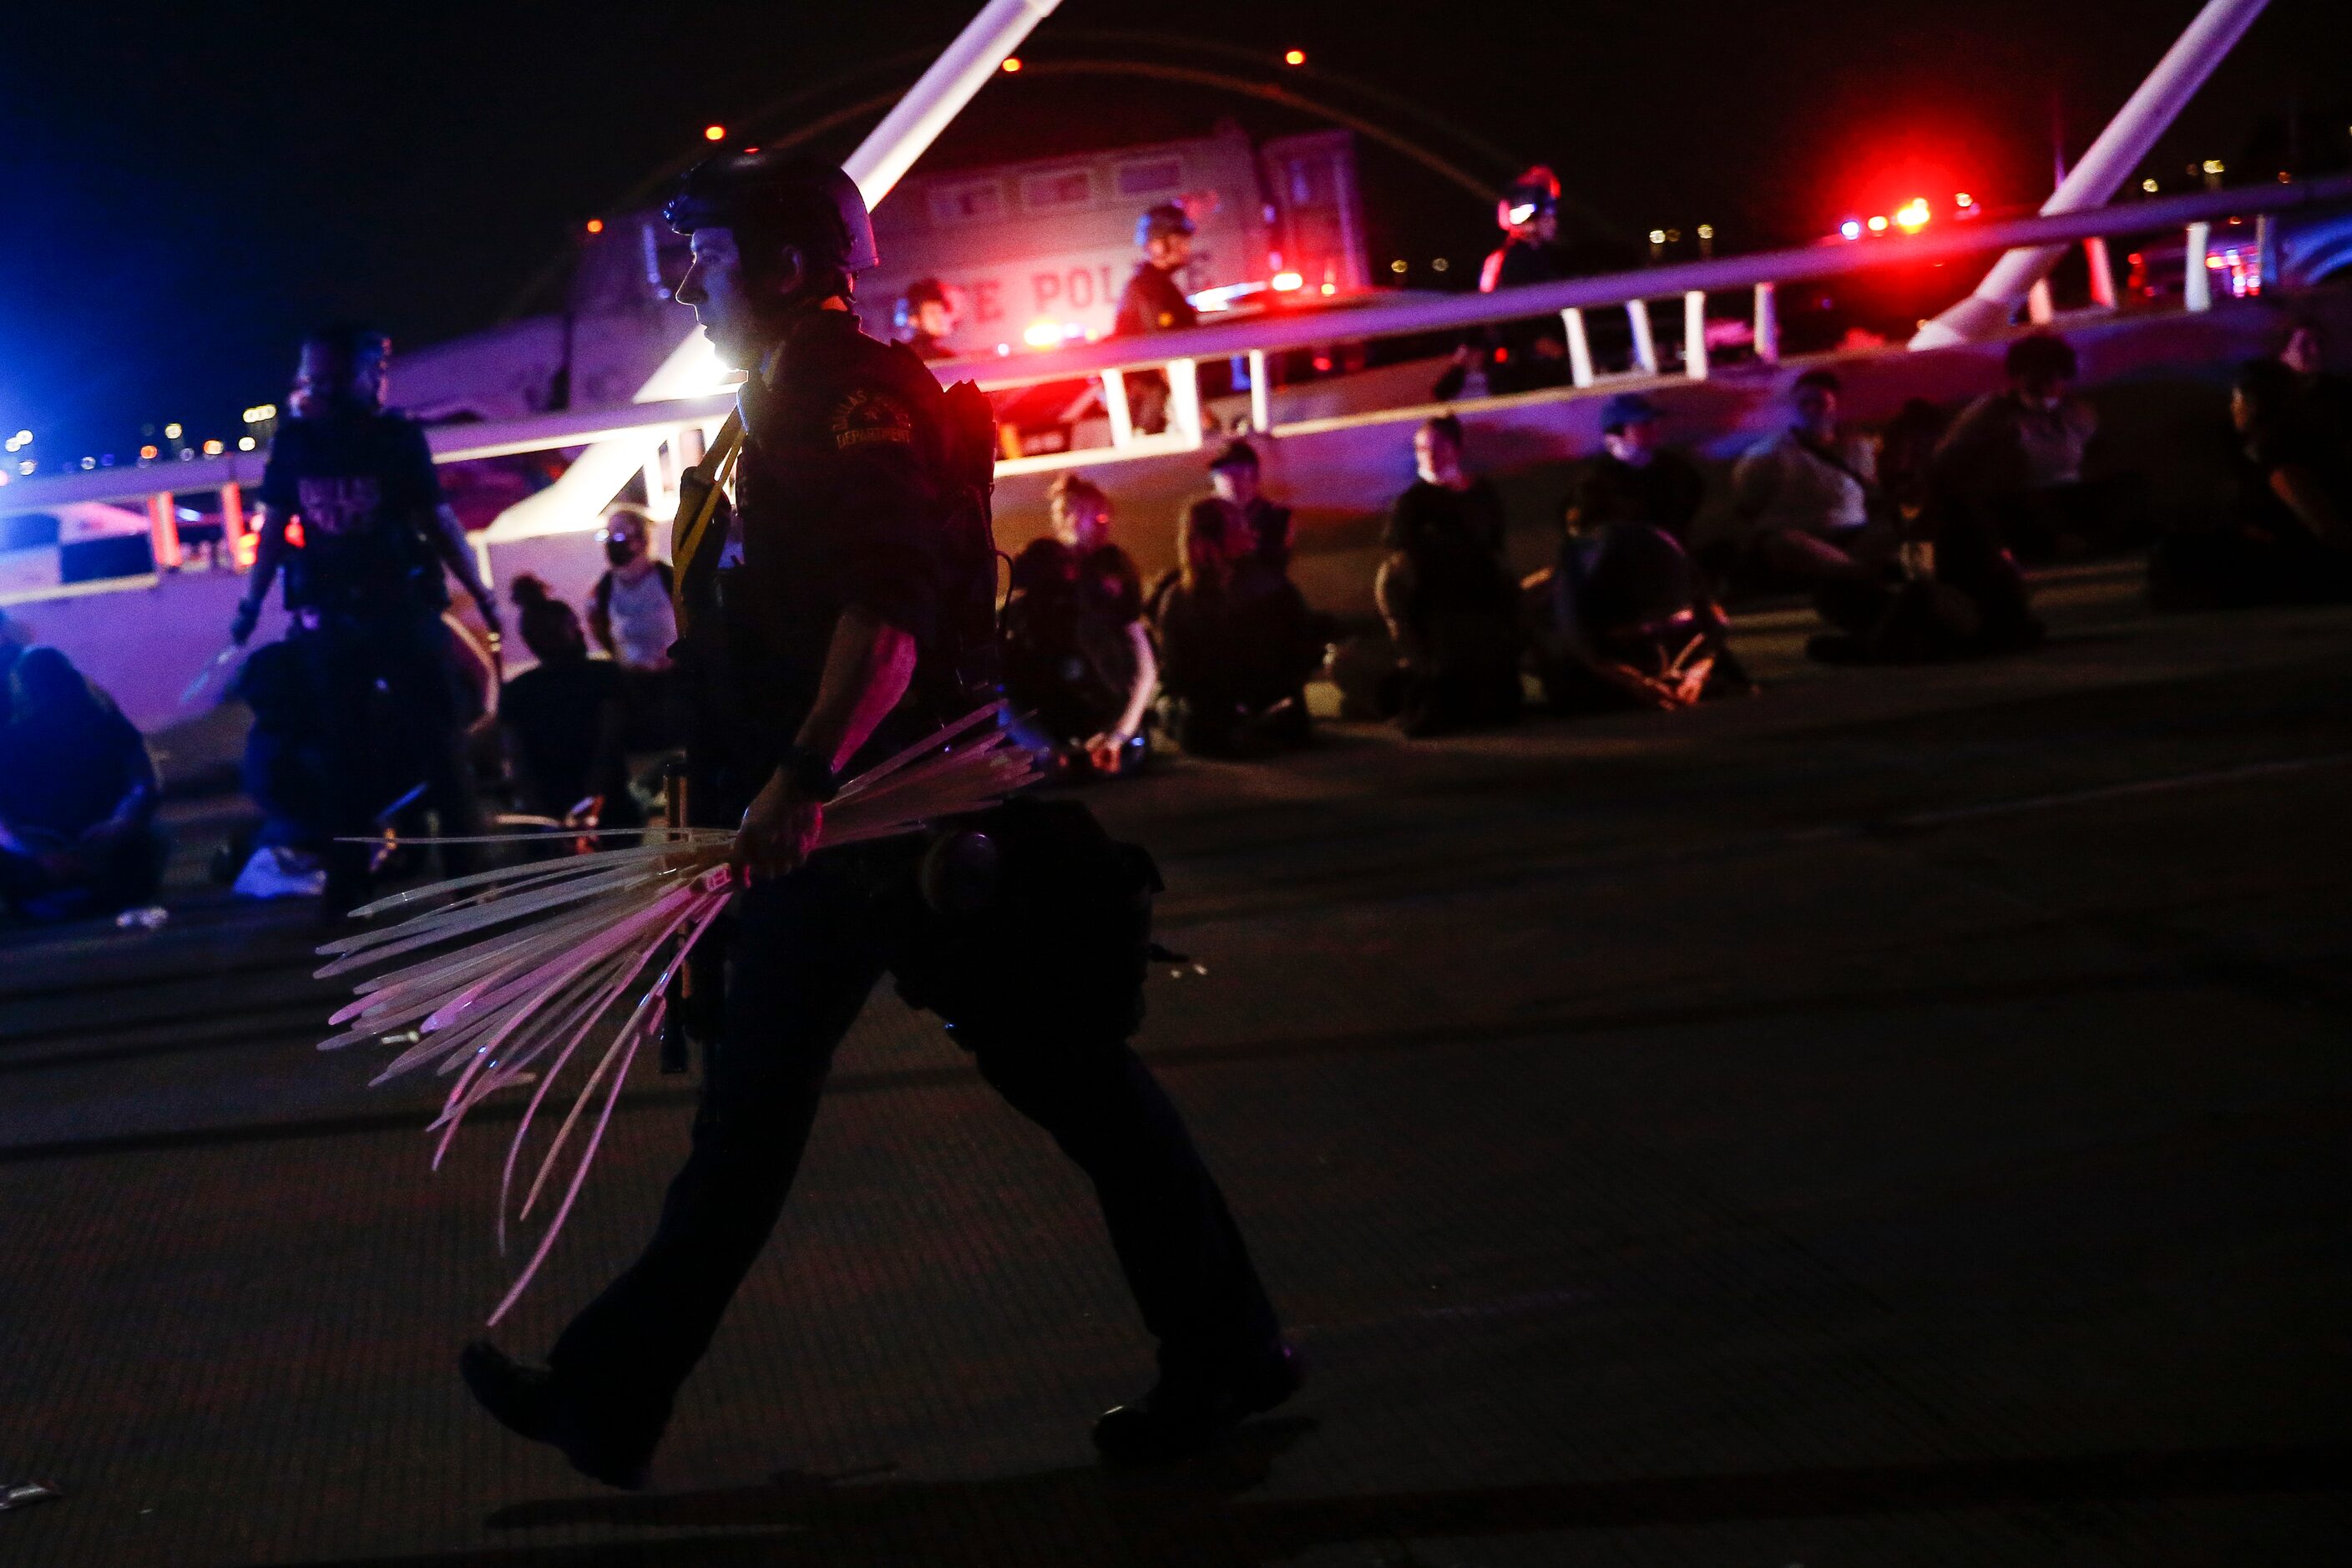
(866, 417)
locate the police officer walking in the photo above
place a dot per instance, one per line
(843, 610)
(352, 513)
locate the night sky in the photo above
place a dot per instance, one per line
(186, 187)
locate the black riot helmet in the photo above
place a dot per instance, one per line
(771, 200)
(1526, 200)
(1167, 219)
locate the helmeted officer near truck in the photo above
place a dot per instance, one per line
(843, 608)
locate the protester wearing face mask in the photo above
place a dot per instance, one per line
(631, 613)
(1805, 497)
(633, 616)
(1636, 479)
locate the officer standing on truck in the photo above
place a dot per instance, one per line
(843, 609)
(927, 319)
(351, 513)
(1154, 302)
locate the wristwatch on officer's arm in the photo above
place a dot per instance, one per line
(809, 775)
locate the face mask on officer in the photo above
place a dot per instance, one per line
(621, 544)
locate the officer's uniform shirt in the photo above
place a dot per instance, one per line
(365, 489)
(1154, 302)
(1521, 261)
(837, 506)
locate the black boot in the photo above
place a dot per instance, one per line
(1186, 1415)
(529, 1401)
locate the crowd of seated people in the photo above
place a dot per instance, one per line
(1907, 540)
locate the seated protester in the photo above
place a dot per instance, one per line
(1636, 479)
(1623, 621)
(1265, 527)
(2012, 460)
(1079, 668)
(564, 719)
(1236, 646)
(1450, 603)
(632, 615)
(2326, 394)
(77, 794)
(2288, 538)
(1906, 451)
(285, 774)
(1804, 499)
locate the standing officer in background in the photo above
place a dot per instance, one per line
(845, 610)
(351, 513)
(927, 319)
(1154, 302)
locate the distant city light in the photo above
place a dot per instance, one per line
(1284, 282)
(149, 454)
(2149, 185)
(1707, 231)
(260, 412)
(1878, 225)
(214, 448)
(1964, 200)
(2213, 167)
(1913, 215)
(1657, 236)
(1294, 58)
(25, 466)
(245, 443)
(1440, 265)
(1330, 287)
(1041, 334)
(170, 432)
(88, 463)
(596, 225)
(714, 133)
(1011, 64)
(24, 438)
(1398, 265)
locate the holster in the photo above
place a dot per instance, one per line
(1046, 938)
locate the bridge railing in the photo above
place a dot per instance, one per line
(1177, 355)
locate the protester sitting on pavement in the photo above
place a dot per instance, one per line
(2288, 538)
(77, 795)
(1621, 620)
(632, 615)
(1266, 528)
(1636, 479)
(2326, 395)
(1450, 661)
(1804, 496)
(1236, 646)
(1078, 665)
(564, 719)
(2013, 460)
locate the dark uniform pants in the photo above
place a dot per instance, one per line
(805, 953)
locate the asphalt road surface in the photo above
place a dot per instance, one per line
(1902, 1117)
